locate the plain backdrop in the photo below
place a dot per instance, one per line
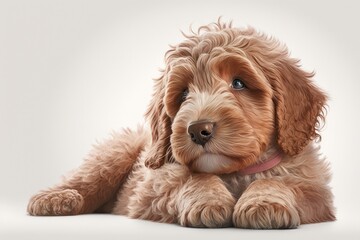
(73, 71)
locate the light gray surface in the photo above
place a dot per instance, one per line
(99, 226)
(71, 71)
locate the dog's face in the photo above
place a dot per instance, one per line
(221, 109)
(226, 96)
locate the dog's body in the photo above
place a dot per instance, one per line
(232, 122)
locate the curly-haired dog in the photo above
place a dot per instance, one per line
(233, 120)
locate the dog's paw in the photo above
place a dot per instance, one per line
(265, 215)
(53, 203)
(211, 213)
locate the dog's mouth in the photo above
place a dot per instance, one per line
(212, 163)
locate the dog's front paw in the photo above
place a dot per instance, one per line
(204, 201)
(206, 207)
(206, 214)
(52, 203)
(260, 214)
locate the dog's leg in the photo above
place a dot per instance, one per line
(171, 194)
(204, 201)
(314, 201)
(95, 181)
(282, 203)
(266, 204)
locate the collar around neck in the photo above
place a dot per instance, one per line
(269, 163)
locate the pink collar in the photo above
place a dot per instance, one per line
(269, 163)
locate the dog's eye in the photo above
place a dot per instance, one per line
(238, 84)
(184, 95)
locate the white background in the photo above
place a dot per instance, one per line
(73, 71)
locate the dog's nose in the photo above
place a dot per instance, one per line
(201, 131)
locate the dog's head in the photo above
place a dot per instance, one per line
(226, 96)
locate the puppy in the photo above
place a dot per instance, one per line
(232, 125)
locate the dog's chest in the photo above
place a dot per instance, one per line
(236, 184)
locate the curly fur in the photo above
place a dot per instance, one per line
(162, 175)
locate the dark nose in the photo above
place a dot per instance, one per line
(201, 131)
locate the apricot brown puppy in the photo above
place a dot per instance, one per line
(229, 142)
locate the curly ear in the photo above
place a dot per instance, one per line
(160, 124)
(299, 106)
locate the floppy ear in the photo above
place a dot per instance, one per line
(160, 124)
(299, 106)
